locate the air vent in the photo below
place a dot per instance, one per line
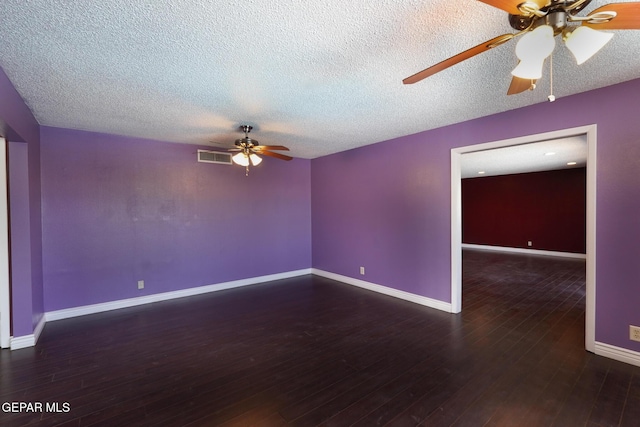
(214, 157)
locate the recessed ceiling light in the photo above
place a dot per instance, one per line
(481, 173)
(572, 163)
(550, 153)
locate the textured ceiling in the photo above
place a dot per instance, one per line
(318, 77)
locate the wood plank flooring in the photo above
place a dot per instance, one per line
(309, 351)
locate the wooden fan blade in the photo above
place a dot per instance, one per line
(496, 41)
(627, 17)
(519, 85)
(511, 6)
(276, 155)
(271, 147)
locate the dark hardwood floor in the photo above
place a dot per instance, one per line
(309, 351)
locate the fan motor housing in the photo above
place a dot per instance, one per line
(520, 22)
(556, 20)
(554, 14)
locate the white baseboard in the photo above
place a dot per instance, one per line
(617, 353)
(23, 342)
(601, 349)
(148, 299)
(418, 299)
(523, 251)
(31, 340)
(28, 340)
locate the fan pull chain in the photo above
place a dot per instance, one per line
(551, 96)
(246, 170)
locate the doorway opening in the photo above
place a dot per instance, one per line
(589, 132)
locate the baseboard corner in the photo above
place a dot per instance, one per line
(617, 353)
(396, 293)
(23, 341)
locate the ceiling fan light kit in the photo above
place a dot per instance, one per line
(240, 159)
(584, 42)
(532, 49)
(248, 150)
(255, 160)
(538, 22)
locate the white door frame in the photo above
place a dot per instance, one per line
(456, 217)
(5, 305)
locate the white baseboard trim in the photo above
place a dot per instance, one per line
(407, 296)
(523, 251)
(601, 349)
(28, 340)
(23, 342)
(148, 299)
(617, 353)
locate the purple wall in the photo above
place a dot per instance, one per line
(18, 125)
(387, 206)
(117, 210)
(371, 209)
(22, 292)
(546, 208)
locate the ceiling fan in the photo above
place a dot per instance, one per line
(539, 21)
(248, 150)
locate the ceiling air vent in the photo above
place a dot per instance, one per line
(214, 157)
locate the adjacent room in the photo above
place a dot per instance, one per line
(264, 213)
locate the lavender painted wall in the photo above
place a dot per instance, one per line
(21, 275)
(35, 212)
(128, 209)
(387, 206)
(371, 209)
(117, 210)
(18, 124)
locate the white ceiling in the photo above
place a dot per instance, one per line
(318, 77)
(534, 157)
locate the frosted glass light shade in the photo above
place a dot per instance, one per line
(255, 159)
(532, 49)
(241, 159)
(584, 42)
(529, 69)
(537, 44)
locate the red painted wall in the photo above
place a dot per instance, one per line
(546, 208)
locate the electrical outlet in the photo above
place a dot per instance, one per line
(529, 243)
(362, 271)
(140, 284)
(634, 333)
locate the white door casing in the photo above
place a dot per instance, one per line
(5, 306)
(456, 217)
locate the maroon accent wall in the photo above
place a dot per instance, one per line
(546, 208)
